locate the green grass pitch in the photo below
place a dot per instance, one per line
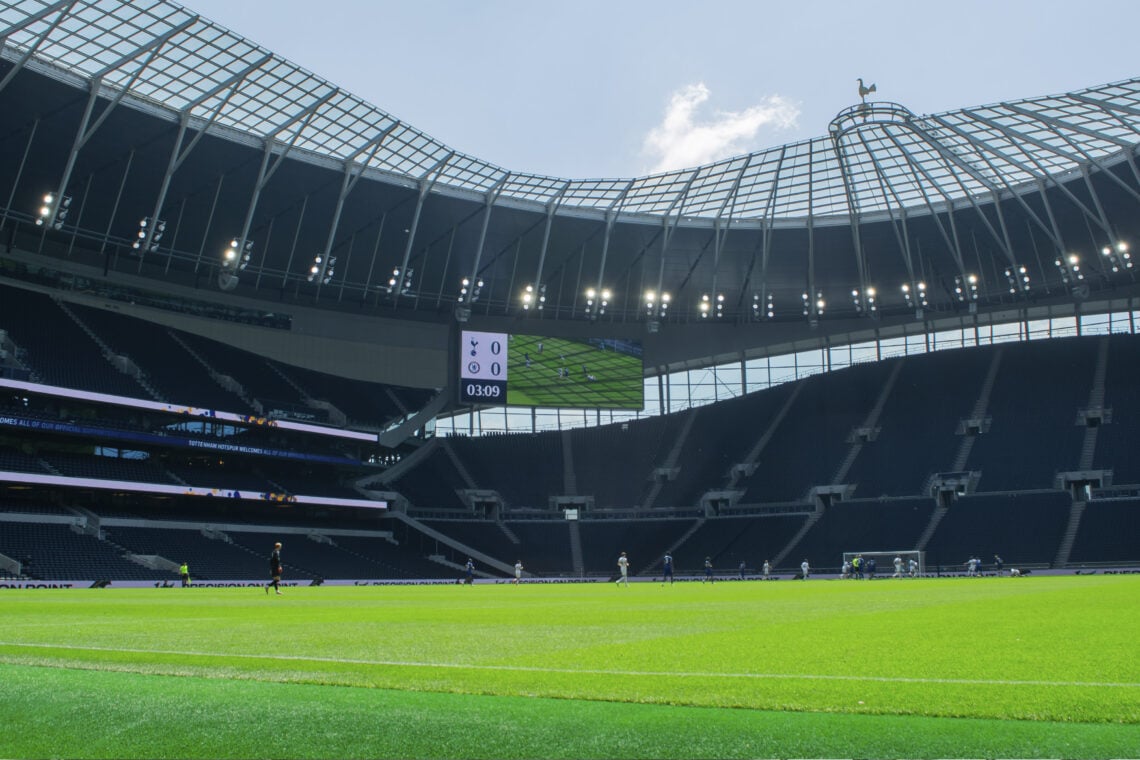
(990, 667)
(617, 378)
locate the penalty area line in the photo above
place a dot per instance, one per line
(578, 671)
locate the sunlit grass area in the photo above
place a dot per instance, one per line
(989, 667)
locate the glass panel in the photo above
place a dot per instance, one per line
(864, 352)
(1095, 324)
(1062, 327)
(728, 378)
(1006, 333)
(840, 357)
(916, 344)
(892, 347)
(756, 372)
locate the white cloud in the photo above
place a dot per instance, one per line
(683, 139)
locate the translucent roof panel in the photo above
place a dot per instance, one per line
(876, 157)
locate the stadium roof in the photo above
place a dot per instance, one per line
(979, 208)
(875, 158)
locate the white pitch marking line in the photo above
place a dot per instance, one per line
(581, 671)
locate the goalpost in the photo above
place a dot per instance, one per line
(885, 562)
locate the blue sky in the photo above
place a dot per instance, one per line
(620, 88)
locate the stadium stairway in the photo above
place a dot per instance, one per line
(462, 548)
(224, 381)
(746, 466)
(1095, 403)
(812, 519)
(667, 467)
(577, 559)
(861, 435)
(1070, 535)
(123, 364)
(675, 546)
(977, 413)
(569, 479)
(928, 532)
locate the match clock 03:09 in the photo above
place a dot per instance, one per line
(483, 368)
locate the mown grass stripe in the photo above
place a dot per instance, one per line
(579, 671)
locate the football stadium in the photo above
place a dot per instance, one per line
(320, 438)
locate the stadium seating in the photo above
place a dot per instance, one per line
(728, 540)
(1108, 531)
(1033, 407)
(1022, 528)
(916, 434)
(525, 469)
(57, 349)
(55, 552)
(863, 525)
(178, 377)
(1116, 441)
(721, 437)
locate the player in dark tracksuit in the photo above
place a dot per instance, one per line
(275, 568)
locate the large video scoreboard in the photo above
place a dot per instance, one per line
(497, 369)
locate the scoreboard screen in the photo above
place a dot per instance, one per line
(497, 369)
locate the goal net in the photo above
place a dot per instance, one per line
(913, 563)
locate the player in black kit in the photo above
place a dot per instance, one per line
(275, 569)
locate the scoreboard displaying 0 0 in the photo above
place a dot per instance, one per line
(483, 367)
(497, 369)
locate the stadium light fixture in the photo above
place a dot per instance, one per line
(534, 297)
(1069, 266)
(237, 255)
(767, 309)
(596, 301)
(321, 269)
(1117, 257)
(814, 307)
(150, 232)
(53, 210)
(401, 285)
(657, 303)
(915, 297)
(469, 290)
(1017, 276)
(966, 287)
(866, 301)
(711, 306)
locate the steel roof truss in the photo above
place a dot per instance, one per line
(64, 7)
(916, 168)
(1014, 133)
(1058, 124)
(899, 226)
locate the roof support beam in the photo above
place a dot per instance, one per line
(266, 172)
(853, 210)
(611, 217)
(1093, 161)
(232, 83)
(64, 9)
(1058, 124)
(952, 158)
(766, 223)
(152, 47)
(551, 207)
(488, 206)
(352, 174)
(429, 178)
(1018, 135)
(178, 156)
(84, 133)
(902, 236)
(916, 168)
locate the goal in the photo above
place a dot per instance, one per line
(885, 561)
